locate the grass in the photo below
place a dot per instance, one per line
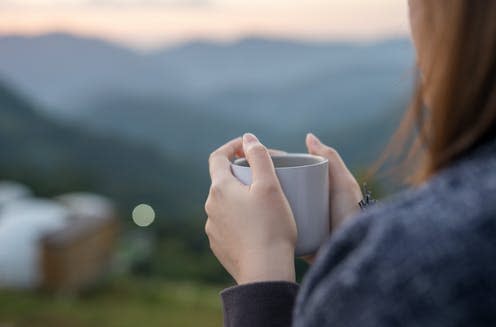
(121, 303)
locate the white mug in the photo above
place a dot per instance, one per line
(305, 182)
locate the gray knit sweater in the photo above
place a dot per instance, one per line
(426, 257)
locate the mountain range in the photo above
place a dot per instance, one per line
(187, 99)
(59, 68)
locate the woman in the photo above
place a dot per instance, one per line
(426, 257)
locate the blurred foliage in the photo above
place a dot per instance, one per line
(120, 303)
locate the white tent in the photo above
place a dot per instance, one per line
(87, 205)
(12, 191)
(22, 224)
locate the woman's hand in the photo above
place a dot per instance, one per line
(251, 229)
(345, 193)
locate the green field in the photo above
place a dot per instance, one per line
(120, 303)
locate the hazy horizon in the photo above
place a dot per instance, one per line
(219, 41)
(145, 24)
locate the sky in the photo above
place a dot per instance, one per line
(152, 23)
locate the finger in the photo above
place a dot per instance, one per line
(220, 160)
(208, 227)
(259, 159)
(316, 147)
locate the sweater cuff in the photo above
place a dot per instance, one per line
(261, 304)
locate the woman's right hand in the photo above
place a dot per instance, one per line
(345, 193)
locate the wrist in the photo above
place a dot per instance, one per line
(264, 265)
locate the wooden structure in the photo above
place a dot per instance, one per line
(75, 257)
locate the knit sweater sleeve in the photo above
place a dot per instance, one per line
(266, 304)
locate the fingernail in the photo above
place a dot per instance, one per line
(314, 140)
(249, 138)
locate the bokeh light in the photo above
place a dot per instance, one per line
(143, 215)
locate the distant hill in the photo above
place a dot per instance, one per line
(258, 63)
(202, 93)
(63, 70)
(53, 158)
(187, 99)
(184, 132)
(57, 69)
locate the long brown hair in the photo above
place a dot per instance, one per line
(454, 103)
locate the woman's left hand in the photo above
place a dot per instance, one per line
(251, 229)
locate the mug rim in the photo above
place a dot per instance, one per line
(322, 161)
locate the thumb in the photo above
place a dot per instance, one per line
(259, 159)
